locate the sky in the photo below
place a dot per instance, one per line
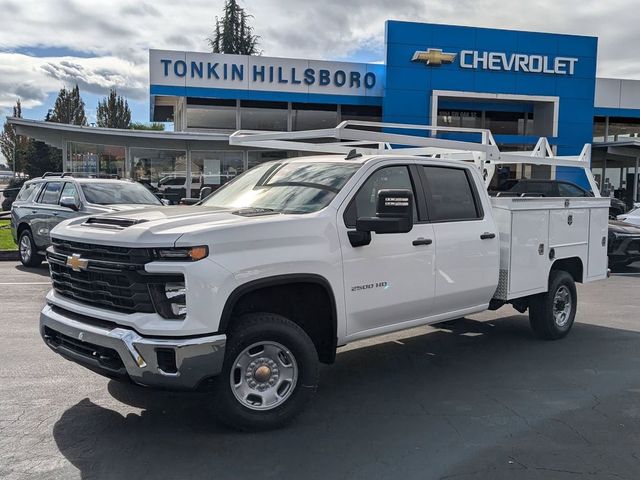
(47, 44)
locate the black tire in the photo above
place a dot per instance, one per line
(546, 320)
(28, 256)
(246, 331)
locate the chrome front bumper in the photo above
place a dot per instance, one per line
(121, 352)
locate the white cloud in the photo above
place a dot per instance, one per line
(115, 35)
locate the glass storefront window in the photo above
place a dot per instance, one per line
(599, 129)
(204, 113)
(214, 169)
(623, 127)
(264, 115)
(256, 157)
(365, 113)
(309, 116)
(505, 123)
(460, 118)
(163, 171)
(96, 159)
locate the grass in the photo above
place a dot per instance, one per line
(6, 241)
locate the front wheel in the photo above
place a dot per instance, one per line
(270, 372)
(552, 313)
(29, 255)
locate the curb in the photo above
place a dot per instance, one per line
(9, 255)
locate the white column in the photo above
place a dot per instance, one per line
(635, 180)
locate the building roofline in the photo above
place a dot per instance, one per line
(101, 131)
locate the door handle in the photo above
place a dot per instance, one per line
(422, 241)
(487, 235)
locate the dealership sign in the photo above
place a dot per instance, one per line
(245, 72)
(499, 61)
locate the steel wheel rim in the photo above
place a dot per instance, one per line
(25, 248)
(264, 375)
(562, 305)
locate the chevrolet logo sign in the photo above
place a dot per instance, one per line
(433, 57)
(77, 263)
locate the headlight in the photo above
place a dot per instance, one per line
(183, 253)
(169, 299)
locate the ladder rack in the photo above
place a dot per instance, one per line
(387, 138)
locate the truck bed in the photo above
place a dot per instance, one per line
(536, 232)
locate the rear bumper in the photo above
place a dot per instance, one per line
(122, 353)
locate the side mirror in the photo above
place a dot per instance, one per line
(394, 213)
(188, 201)
(70, 202)
(205, 192)
(165, 201)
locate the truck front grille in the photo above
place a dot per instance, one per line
(109, 277)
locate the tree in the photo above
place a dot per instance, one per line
(69, 108)
(147, 126)
(42, 158)
(113, 112)
(233, 34)
(12, 145)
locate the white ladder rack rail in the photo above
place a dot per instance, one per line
(346, 137)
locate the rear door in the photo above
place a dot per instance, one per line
(47, 209)
(467, 245)
(391, 280)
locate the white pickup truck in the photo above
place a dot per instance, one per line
(249, 290)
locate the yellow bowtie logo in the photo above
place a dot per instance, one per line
(433, 57)
(77, 263)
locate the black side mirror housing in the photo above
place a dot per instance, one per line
(70, 202)
(394, 213)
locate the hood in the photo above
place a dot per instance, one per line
(155, 227)
(616, 226)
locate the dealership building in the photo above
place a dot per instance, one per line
(520, 85)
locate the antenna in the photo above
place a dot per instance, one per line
(353, 153)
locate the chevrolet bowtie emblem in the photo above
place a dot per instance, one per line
(76, 263)
(433, 56)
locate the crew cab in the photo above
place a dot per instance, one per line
(249, 290)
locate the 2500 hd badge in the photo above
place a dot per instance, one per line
(368, 286)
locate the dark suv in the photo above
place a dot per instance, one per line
(44, 202)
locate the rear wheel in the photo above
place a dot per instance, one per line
(29, 255)
(552, 313)
(270, 372)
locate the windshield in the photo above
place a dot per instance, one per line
(293, 187)
(120, 193)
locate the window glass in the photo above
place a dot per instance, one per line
(298, 187)
(51, 193)
(27, 191)
(120, 193)
(305, 116)
(450, 194)
(546, 189)
(365, 202)
(70, 190)
(568, 190)
(255, 115)
(214, 168)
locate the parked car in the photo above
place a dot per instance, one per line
(10, 192)
(624, 243)
(632, 217)
(263, 280)
(44, 202)
(553, 188)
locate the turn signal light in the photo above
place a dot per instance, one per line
(183, 253)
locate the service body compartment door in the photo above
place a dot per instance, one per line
(568, 227)
(598, 229)
(529, 251)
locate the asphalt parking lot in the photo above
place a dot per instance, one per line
(475, 399)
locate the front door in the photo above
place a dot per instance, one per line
(391, 280)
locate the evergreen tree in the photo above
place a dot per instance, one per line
(69, 108)
(42, 158)
(113, 112)
(233, 34)
(12, 145)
